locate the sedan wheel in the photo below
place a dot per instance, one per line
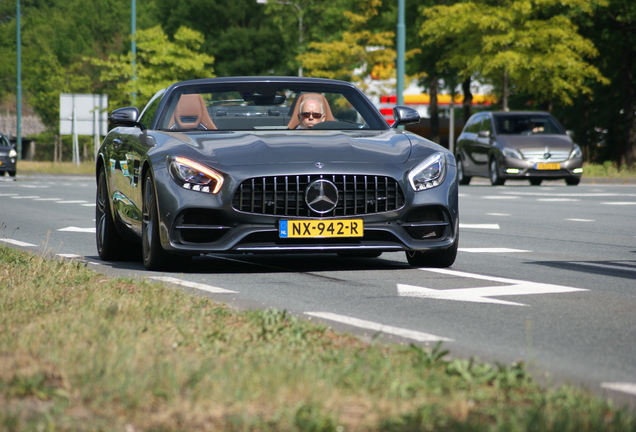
(572, 181)
(462, 178)
(535, 182)
(110, 245)
(495, 178)
(437, 259)
(154, 255)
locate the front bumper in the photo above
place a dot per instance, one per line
(511, 168)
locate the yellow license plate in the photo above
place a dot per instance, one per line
(549, 166)
(321, 228)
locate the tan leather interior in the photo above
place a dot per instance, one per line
(294, 121)
(191, 113)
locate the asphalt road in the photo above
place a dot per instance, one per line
(544, 275)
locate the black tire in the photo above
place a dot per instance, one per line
(12, 173)
(437, 259)
(111, 246)
(154, 255)
(462, 178)
(535, 182)
(493, 172)
(572, 181)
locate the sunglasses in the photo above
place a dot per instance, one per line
(315, 115)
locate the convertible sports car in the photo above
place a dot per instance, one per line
(271, 165)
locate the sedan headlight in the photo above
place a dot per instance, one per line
(194, 176)
(576, 152)
(13, 153)
(511, 153)
(428, 173)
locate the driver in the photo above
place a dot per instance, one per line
(311, 112)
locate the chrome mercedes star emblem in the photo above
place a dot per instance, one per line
(321, 196)
(319, 165)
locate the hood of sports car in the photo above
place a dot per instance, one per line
(539, 142)
(258, 148)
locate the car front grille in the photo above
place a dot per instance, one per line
(539, 155)
(285, 195)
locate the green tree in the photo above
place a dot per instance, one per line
(530, 46)
(359, 51)
(159, 63)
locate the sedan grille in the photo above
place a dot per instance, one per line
(285, 195)
(540, 155)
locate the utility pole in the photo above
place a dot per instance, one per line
(401, 36)
(133, 48)
(18, 96)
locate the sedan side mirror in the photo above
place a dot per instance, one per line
(484, 134)
(124, 117)
(404, 115)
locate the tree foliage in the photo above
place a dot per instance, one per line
(531, 44)
(358, 52)
(159, 63)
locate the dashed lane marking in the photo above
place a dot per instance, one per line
(479, 226)
(377, 327)
(491, 250)
(623, 387)
(16, 242)
(195, 285)
(76, 229)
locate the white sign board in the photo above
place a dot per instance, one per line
(89, 111)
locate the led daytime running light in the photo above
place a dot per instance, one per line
(213, 175)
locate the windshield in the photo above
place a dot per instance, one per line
(267, 106)
(527, 124)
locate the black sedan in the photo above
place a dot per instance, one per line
(8, 157)
(271, 165)
(517, 145)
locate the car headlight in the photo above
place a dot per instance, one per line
(511, 153)
(429, 173)
(13, 153)
(576, 152)
(194, 176)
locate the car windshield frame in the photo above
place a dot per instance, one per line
(266, 105)
(527, 124)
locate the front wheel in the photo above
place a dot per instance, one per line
(110, 245)
(437, 259)
(495, 177)
(155, 256)
(572, 181)
(535, 182)
(462, 178)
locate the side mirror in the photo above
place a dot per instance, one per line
(404, 115)
(124, 117)
(484, 134)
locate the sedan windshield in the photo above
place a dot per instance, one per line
(527, 124)
(263, 106)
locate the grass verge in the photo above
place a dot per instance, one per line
(82, 352)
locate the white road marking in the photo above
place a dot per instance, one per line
(499, 197)
(558, 199)
(25, 197)
(89, 205)
(16, 242)
(620, 203)
(9, 194)
(623, 387)
(377, 327)
(69, 255)
(479, 226)
(48, 199)
(195, 285)
(482, 294)
(73, 202)
(491, 250)
(581, 220)
(498, 214)
(76, 229)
